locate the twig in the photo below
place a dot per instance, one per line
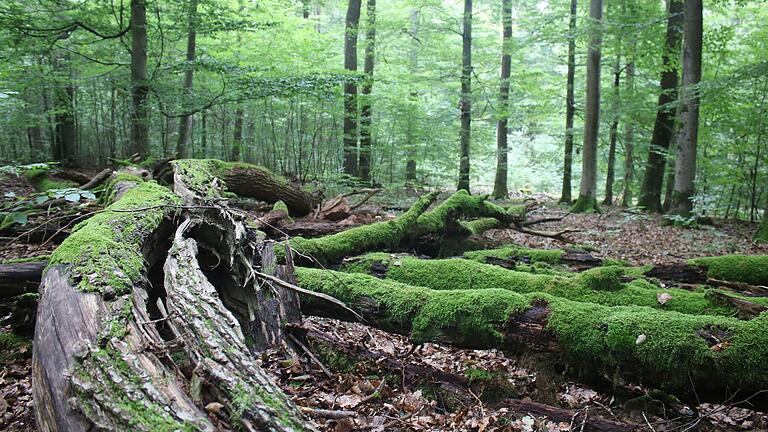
(648, 423)
(311, 355)
(329, 414)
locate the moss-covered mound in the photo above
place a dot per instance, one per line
(549, 256)
(41, 180)
(750, 269)
(666, 349)
(601, 285)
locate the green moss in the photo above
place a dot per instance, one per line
(479, 226)
(105, 250)
(552, 256)
(751, 269)
(380, 235)
(336, 360)
(459, 205)
(42, 182)
(585, 204)
(492, 386)
(26, 259)
(598, 337)
(14, 347)
(601, 285)
(281, 206)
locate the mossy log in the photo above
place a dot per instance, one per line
(20, 277)
(132, 334)
(666, 349)
(244, 180)
(381, 235)
(608, 285)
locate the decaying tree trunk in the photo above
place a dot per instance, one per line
(21, 277)
(124, 345)
(666, 349)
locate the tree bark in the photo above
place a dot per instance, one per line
(412, 143)
(237, 138)
(687, 138)
(185, 121)
(366, 115)
(139, 80)
(761, 236)
(588, 189)
(570, 107)
(350, 88)
(650, 193)
(629, 140)
(65, 130)
(500, 189)
(465, 103)
(613, 134)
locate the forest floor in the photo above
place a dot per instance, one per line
(615, 233)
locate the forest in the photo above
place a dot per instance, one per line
(392, 215)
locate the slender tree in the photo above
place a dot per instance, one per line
(139, 80)
(412, 125)
(465, 104)
(65, 129)
(185, 121)
(366, 100)
(500, 189)
(237, 136)
(685, 164)
(650, 193)
(629, 138)
(588, 189)
(613, 133)
(570, 107)
(350, 88)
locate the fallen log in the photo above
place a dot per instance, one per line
(135, 336)
(601, 285)
(244, 180)
(381, 235)
(20, 277)
(665, 349)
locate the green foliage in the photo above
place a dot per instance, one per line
(751, 269)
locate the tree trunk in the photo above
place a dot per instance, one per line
(500, 189)
(65, 130)
(761, 236)
(350, 88)
(366, 102)
(676, 351)
(570, 107)
(613, 134)
(126, 347)
(588, 189)
(465, 104)
(139, 80)
(650, 193)
(412, 128)
(687, 138)
(185, 121)
(237, 138)
(629, 139)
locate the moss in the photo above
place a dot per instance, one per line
(108, 194)
(105, 250)
(601, 285)
(380, 235)
(597, 337)
(751, 269)
(492, 386)
(479, 226)
(459, 205)
(281, 206)
(42, 182)
(26, 259)
(553, 256)
(336, 360)
(14, 347)
(585, 204)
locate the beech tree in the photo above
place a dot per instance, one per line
(185, 121)
(650, 193)
(570, 107)
(366, 100)
(465, 103)
(139, 79)
(500, 189)
(588, 190)
(687, 138)
(350, 88)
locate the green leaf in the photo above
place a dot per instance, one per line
(10, 194)
(88, 195)
(19, 217)
(72, 197)
(41, 199)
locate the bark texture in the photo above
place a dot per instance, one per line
(366, 111)
(650, 193)
(185, 121)
(350, 88)
(139, 80)
(465, 102)
(687, 138)
(500, 189)
(570, 107)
